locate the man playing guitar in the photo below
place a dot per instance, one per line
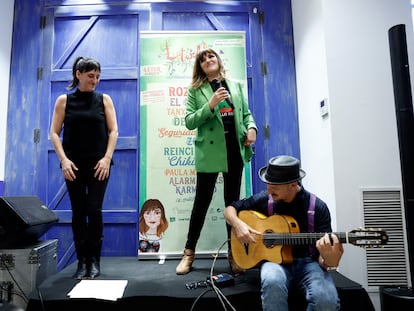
(299, 267)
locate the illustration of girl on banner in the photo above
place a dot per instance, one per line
(152, 225)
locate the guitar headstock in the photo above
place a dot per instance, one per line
(371, 237)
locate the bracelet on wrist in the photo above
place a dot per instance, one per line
(331, 268)
(326, 267)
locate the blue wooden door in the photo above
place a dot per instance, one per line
(111, 35)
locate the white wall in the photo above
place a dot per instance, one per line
(6, 25)
(312, 83)
(342, 53)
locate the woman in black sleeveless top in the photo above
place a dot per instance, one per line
(90, 132)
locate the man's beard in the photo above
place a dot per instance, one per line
(279, 201)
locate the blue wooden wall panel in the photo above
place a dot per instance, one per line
(274, 103)
(113, 40)
(278, 51)
(202, 21)
(21, 152)
(110, 32)
(103, 34)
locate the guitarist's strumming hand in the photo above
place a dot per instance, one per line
(330, 250)
(244, 233)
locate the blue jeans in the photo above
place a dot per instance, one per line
(303, 274)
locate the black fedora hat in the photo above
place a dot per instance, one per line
(281, 170)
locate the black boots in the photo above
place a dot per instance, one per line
(87, 269)
(88, 254)
(81, 270)
(93, 269)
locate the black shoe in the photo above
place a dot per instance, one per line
(81, 271)
(93, 270)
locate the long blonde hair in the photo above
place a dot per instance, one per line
(199, 76)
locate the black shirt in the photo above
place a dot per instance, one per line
(85, 133)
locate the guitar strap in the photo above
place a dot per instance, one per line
(311, 216)
(270, 205)
(311, 220)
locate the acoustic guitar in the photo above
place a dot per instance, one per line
(281, 232)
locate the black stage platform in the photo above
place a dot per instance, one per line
(157, 287)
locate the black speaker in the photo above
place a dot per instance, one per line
(23, 219)
(4, 306)
(396, 298)
(405, 126)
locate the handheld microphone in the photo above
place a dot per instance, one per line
(216, 84)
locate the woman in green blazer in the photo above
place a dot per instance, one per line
(217, 108)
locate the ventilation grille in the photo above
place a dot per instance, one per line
(386, 265)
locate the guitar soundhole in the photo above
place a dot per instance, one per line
(268, 242)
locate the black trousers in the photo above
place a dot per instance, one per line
(86, 195)
(204, 193)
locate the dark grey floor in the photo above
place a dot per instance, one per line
(152, 285)
(157, 287)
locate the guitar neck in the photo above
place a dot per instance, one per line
(302, 238)
(274, 232)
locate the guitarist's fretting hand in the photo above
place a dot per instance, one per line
(330, 250)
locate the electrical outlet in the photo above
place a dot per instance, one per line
(324, 108)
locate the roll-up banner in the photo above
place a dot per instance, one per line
(167, 172)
